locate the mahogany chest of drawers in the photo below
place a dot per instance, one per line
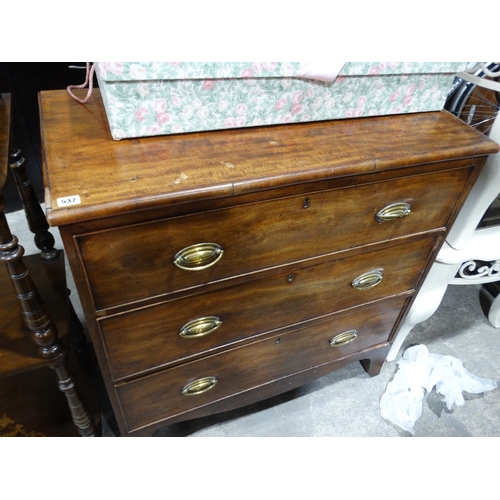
(216, 269)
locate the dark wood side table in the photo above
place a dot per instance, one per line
(220, 268)
(34, 313)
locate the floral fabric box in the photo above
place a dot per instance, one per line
(146, 99)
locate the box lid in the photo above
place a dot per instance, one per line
(401, 68)
(146, 71)
(326, 71)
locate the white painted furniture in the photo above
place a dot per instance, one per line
(469, 255)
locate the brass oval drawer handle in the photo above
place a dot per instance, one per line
(368, 280)
(200, 327)
(393, 211)
(198, 257)
(199, 386)
(343, 338)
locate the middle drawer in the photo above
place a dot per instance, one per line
(128, 264)
(177, 330)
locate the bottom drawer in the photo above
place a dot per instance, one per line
(157, 397)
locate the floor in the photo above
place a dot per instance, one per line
(346, 403)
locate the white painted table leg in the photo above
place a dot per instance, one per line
(425, 304)
(494, 314)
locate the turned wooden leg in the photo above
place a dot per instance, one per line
(43, 330)
(44, 240)
(37, 222)
(50, 348)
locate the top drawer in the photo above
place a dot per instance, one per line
(136, 262)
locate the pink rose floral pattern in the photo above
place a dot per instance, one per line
(144, 99)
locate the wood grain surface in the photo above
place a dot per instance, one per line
(86, 161)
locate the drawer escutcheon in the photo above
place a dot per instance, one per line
(393, 211)
(199, 386)
(368, 280)
(200, 327)
(198, 257)
(343, 338)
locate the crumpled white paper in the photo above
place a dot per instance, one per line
(421, 371)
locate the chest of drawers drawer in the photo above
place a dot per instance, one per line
(249, 238)
(235, 313)
(239, 370)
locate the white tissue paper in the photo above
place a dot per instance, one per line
(421, 371)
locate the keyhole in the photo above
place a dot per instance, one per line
(306, 203)
(290, 277)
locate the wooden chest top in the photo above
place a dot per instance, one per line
(117, 177)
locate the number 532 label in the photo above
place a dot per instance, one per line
(68, 201)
